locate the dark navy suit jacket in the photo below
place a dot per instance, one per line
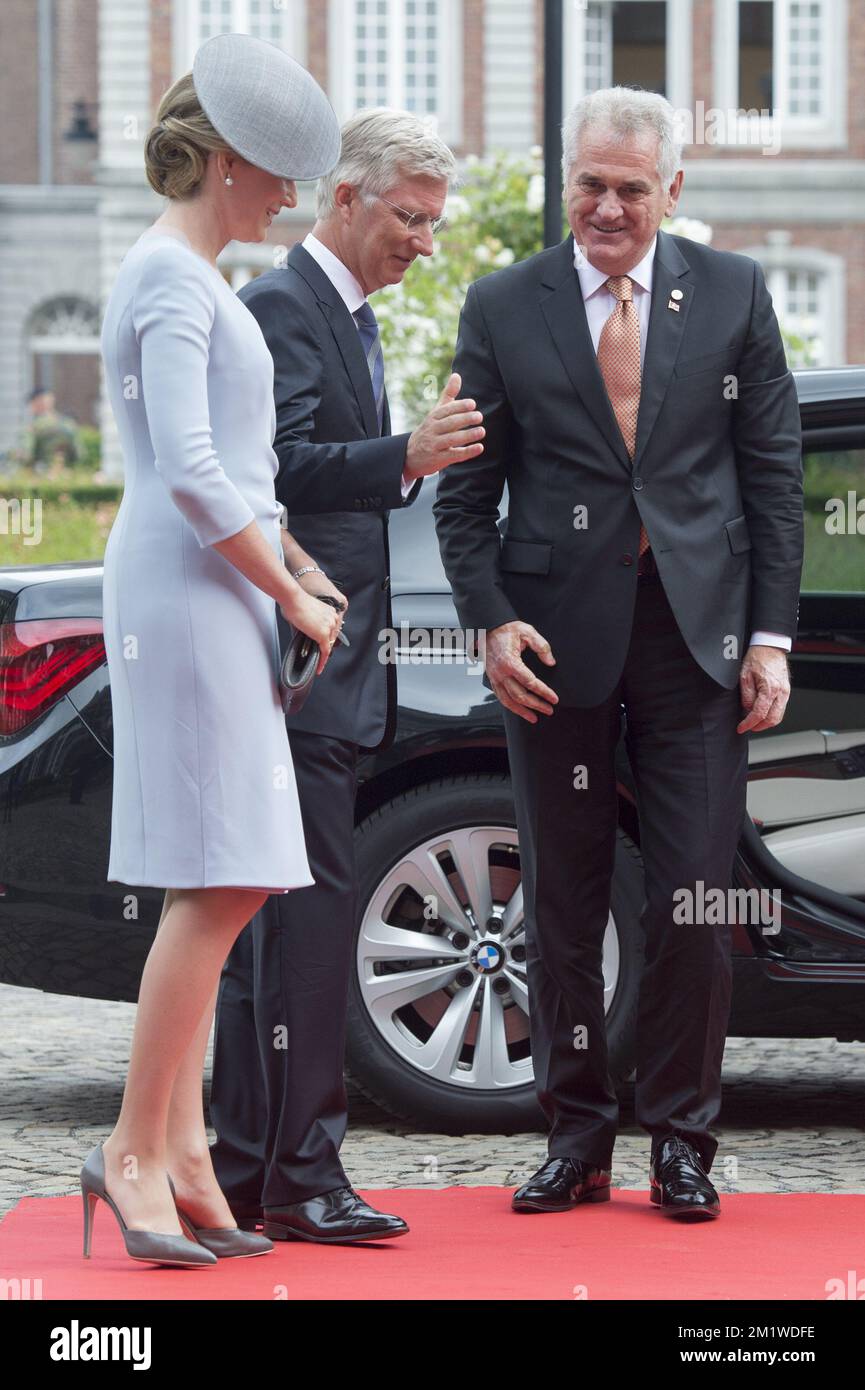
(338, 478)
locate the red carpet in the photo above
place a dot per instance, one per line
(466, 1244)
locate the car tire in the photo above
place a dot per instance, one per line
(383, 842)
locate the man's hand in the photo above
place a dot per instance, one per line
(518, 688)
(764, 685)
(447, 435)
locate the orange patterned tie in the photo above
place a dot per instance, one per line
(619, 361)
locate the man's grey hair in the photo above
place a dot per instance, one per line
(380, 146)
(624, 112)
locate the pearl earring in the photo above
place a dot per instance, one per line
(229, 180)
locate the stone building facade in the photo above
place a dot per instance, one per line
(80, 80)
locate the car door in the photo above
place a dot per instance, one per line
(806, 791)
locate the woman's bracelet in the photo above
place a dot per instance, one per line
(308, 569)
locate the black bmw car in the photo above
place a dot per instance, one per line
(439, 1028)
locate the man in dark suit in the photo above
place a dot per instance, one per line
(278, 1099)
(638, 404)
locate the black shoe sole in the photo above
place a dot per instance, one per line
(274, 1231)
(598, 1194)
(690, 1213)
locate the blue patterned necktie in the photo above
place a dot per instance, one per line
(369, 335)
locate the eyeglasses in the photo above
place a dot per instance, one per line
(410, 220)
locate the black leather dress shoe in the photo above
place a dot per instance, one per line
(339, 1218)
(679, 1184)
(563, 1183)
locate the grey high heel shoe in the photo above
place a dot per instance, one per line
(156, 1247)
(224, 1241)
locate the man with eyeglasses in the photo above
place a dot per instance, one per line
(278, 1100)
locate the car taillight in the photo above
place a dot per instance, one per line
(39, 661)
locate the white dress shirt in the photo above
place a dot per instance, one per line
(599, 304)
(349, 291)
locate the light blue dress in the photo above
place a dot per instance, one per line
(204, 792)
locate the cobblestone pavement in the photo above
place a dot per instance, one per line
(793, 1117)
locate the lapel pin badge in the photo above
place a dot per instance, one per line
(675, 296)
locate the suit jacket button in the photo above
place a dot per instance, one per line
(626, 560)
(638, 482)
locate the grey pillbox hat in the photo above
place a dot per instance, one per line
(266, 106)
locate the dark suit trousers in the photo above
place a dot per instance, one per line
(690, 773)
(278, 1100)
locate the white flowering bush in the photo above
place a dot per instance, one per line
(494, 219)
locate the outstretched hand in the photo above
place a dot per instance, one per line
(451, 432)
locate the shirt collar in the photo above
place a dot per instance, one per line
(337, 273)
(591, 279)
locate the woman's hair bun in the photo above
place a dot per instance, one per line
(179, 142)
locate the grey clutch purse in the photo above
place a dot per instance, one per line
(297, 671)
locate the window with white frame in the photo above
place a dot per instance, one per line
(798, 297)
(787, 57)
(639, 43)
(807, 289)
(278, 21)
(402, 53)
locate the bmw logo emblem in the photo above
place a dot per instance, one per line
(487, 957)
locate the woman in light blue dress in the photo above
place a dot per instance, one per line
(204, 797)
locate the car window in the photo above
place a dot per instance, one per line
(834, 520)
